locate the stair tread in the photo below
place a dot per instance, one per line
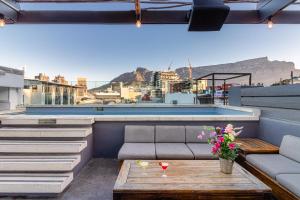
(34, 183)
(22, 146)
(45, 132)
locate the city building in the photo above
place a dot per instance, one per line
(60, 79)
(41, 92)
(163, 81)
(82, 87)
(11, 85)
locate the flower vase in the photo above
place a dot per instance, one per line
(226, 166)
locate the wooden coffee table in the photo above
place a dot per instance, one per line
(187, 179)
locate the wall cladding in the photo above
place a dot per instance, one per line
(280, 109)
(286, 97)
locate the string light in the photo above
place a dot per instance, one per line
(270, 23)
(138, 14)
(138, 23)
(2, 20)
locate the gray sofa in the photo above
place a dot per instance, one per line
(284, 167)
(164, 142)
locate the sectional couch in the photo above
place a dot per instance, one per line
(280, 171)
(164, 142)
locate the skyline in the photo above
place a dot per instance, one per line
(91, 50)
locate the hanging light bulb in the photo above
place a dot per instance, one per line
(138, 23)
(138, 14)
(2, 20)
(270, 23)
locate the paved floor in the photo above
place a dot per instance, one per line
(94, 182)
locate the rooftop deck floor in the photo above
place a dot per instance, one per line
(95, 181)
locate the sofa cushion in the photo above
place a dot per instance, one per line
(173, 151)
(169, 134)
(192, 133)
(291, 182)
(139, 134)
(201, 151)
(134, 151)
(273, 164)
(290, 147)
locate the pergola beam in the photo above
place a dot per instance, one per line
(149, 17)
(9, 9)
(269, 8)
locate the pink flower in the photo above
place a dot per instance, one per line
(200, 136)
(214, 150)
(217, 145)
(221, 139)
(229, 128)
(231, 146)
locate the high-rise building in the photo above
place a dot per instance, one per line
(60, 79)
(42, 77)
(82, 87)
(163, 81)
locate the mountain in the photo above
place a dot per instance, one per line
(263, 71)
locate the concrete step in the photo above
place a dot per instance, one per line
(46, 120)
(44, 132)
(34, 183)
(20, 146)
(43, 163)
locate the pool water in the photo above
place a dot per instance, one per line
(132, 111)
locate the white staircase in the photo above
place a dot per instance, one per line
(39, 161)
(33, 183)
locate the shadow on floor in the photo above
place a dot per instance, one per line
(95, 181)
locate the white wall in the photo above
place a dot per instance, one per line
(15, 97)
(12, 80)
(181, 98)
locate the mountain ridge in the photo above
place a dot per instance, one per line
(262, 69)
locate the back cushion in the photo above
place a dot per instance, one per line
(170, 134)
(139, 134)
(192, 133)
(290, 147)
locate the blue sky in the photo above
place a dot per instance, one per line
(100, 52)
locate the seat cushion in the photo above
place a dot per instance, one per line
(192, 133)
(273, 164)
(201, 151)
(139, 134)
(291, 182)
(290, 147)
(134, 151)
(169, 134)
(173, 151)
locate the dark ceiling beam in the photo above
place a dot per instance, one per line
(148, 17)
(269, 8)
(9, 9)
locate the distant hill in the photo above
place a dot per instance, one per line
(263, 71)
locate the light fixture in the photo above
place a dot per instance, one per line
(138, 14)
(138, 23)
(270, 23)
(2, 20)
(207, 15)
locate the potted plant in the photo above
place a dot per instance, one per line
(223, 145)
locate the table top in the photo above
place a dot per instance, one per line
(197, 176)
(254, 145)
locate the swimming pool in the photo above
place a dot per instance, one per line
(133, 110)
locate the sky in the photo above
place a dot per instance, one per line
(101, 52)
